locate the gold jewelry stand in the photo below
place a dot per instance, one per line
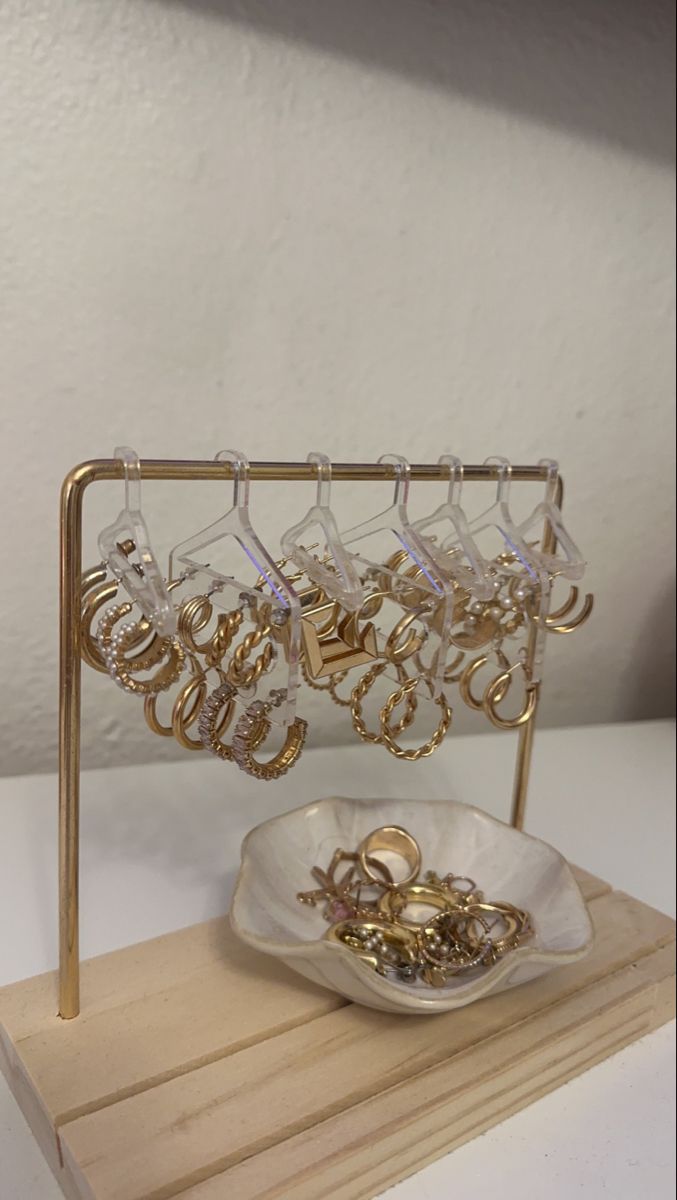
(204, 1069)
(72, 496)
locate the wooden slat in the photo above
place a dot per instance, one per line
(202, 1069)
(373, 1145)
(152, 1030)
(155, 1011)
(218, 1115)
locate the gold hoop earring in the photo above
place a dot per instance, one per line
(468, 674)
(495, 692)
(97, 592)
(358, 694)
(404, 693)
(187, 719)
(243, 674)
(245, 735)
(122, 670)
(215, 718)
(396, 652)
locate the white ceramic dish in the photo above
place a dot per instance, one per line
(506, 865)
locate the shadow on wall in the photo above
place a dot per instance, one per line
(651, 678)
(605, 70)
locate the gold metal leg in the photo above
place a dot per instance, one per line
(525, 744)
(69, 743)
(522, 768)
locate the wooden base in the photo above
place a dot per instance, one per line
(200, 1069)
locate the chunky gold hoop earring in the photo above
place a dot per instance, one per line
(405, 693)
(397, 651)
(358, 694)
(495, 692)
(245, 740)
(186, 711)
(114, 644)
(468, 674)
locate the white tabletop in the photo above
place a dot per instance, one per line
(160, 847)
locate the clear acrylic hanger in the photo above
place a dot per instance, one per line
(395, 520)
(499, 517)
(474, 576)
(343, 583)
(236, 523)
(137, 570)
(572, 564)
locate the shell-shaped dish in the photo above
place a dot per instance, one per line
(277, 857)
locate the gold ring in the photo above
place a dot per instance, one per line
(395, 840)
(359, 936)
(393, 903)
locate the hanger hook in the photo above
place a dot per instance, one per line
(323, 464)
(504, 475)
(552, 467)
(455, 476)
(240, 476)
(132, 474)
(402, 476)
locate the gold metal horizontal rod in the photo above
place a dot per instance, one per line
(175, 469)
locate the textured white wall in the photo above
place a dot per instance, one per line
(346, 226)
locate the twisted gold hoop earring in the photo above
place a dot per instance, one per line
(122, 670)
(240, 672)
(255, 717)
(358, 694)
(334, 681)
(404, 693)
